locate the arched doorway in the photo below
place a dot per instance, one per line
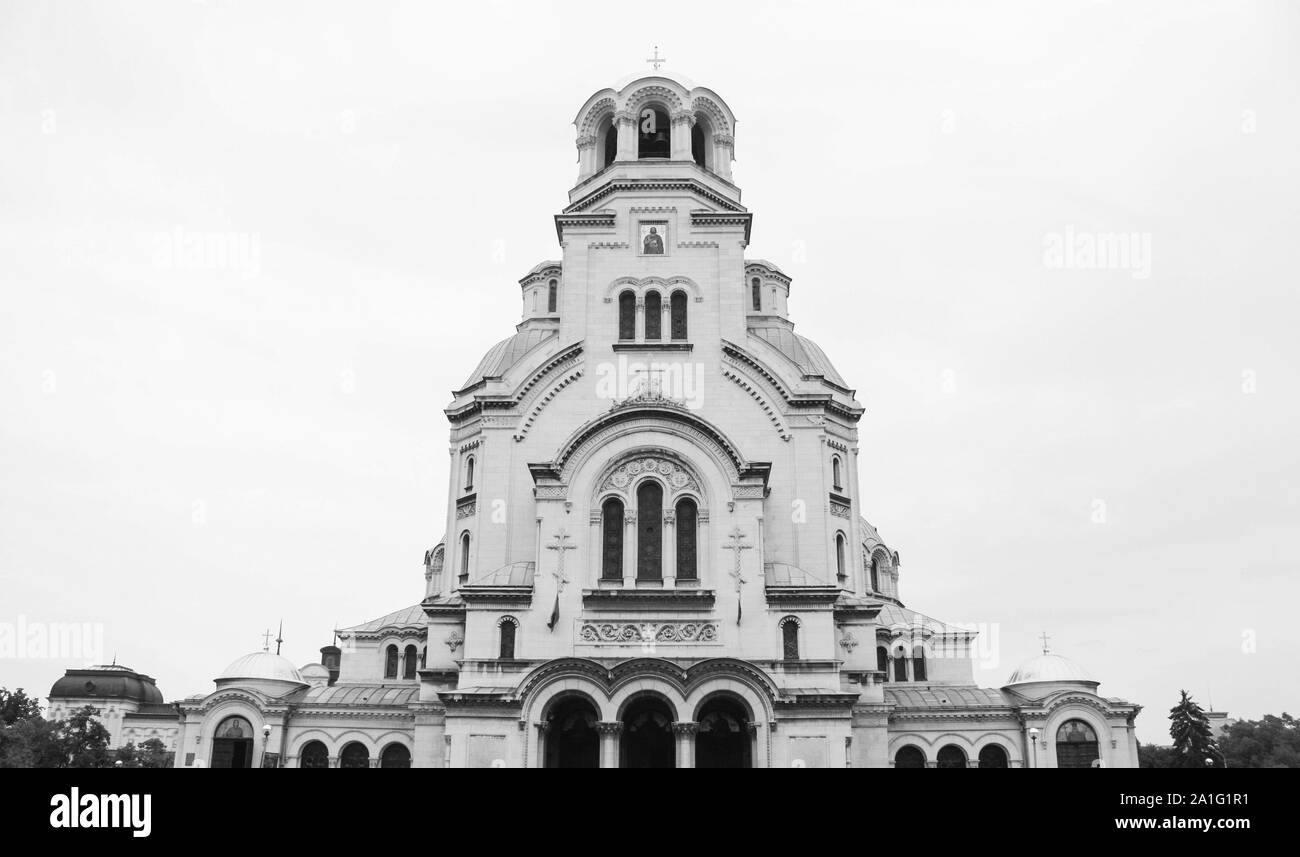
(354, 755)
(571, 737)
(993, 756)
(232, 744)
(909, 757)
(722, 739)
(1076, 745)
(314, 755)
(951, 756)
(647, 735)
(395, 756)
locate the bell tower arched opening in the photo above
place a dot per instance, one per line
(653, 133)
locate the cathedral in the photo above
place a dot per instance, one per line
(655, 553)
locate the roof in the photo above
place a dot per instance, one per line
(784, 574)
(262, 665)
(361, 695)
(407, 617)
(941, 698)
(106, 682)
(896, 615)
(514, 574)
(801, 350)
(506, 353)
(1049, 667)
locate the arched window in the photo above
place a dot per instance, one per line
(882, 660)
(678, 309)
(611, 558)
(390, 662)
(686, 536)
(836, 481)
(909, 757)
(951, 756)
(1076, 745)
(627, 315)
(841, 571)
(918, 663)
(469, 473)
(653, 315)
(424, 657)
(552, 296)
(790, 639)
(314, 755)
(410, 662)
(354, 755)
(653, 133)
(464, 555)
(395, 756)
(649, 533)
(507, 650)
(875, 573)
(756, 296)
(993, 756)
(900, 667)
(698, 152)
(611, 144)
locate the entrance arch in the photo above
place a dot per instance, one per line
(354, 755)
(723, 736)
(232, 744)
(993, 756)
(1076, 745)
(571, 737)
(648, 740)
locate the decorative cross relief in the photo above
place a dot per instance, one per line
(737, 545)
(561, 545)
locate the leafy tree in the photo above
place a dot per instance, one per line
(1151, 756)
(31, 743)
(1273, 742)
(17, 706)
(1193, 740)
(153, 753)
(84, 740)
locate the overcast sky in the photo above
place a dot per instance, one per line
(189, 453)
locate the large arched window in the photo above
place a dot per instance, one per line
(469, 473)
(507, 649)
(314, 755)
(875, 573)
(410, 662)
(882, 660)
(841, 568)
(653, 315)
(552, 296)
(611, 145)
(790, 639)
(464, 555)
(654, 134)
(611, 558)
(649, 532)
(627, 315)
(686, 537)
(900, 666)
(354, 755)
(918, 663)
(836, 480)
(1076, 745)
(993, 756)
(951, 756)
(698, 151)
(909, 757)
(678, 310)
(390, 662)
(756, 294)
(395, 756)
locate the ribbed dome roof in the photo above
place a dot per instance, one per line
(262, 665)
(1049, 667)
(107, 682)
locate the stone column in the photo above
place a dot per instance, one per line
(595, 547)
(640, 319)
(681, 135)
(586, 156)
(670, 548)
(541, 743)
(666, 318)
(609, 732)
(626, 136)
(705, 560)
(723, 151)
(685, 734)
(629, 549)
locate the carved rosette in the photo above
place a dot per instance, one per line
(668, 471)
(640, 633)
(454, 640)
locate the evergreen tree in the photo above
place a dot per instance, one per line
(1193, 741)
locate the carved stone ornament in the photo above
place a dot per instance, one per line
(673, 474)
(454, 640)
(638, 633)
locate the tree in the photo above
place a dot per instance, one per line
(1151, 756)
(84, 740)
(1193, 740)
(1273, 742)
(31, 743)
(17, 706)
(153, 753)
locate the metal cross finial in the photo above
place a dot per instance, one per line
(266, 641)
(737, 545)
(1045, 638)
(561, 545)
(656, 59)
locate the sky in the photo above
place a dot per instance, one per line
(1100, 448)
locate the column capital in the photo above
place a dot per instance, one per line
(609, 727)
(686, 727)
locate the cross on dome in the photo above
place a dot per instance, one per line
(656, 59)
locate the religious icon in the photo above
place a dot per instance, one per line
(652, 239)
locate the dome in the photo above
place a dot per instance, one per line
(263, 666)
(107, 682)
(1049, 667)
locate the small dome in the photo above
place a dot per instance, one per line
(262, 666)
(1049, 667)
(107, 682)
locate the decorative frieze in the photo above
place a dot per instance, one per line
(641, 633)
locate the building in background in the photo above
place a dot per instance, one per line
(129, 703)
